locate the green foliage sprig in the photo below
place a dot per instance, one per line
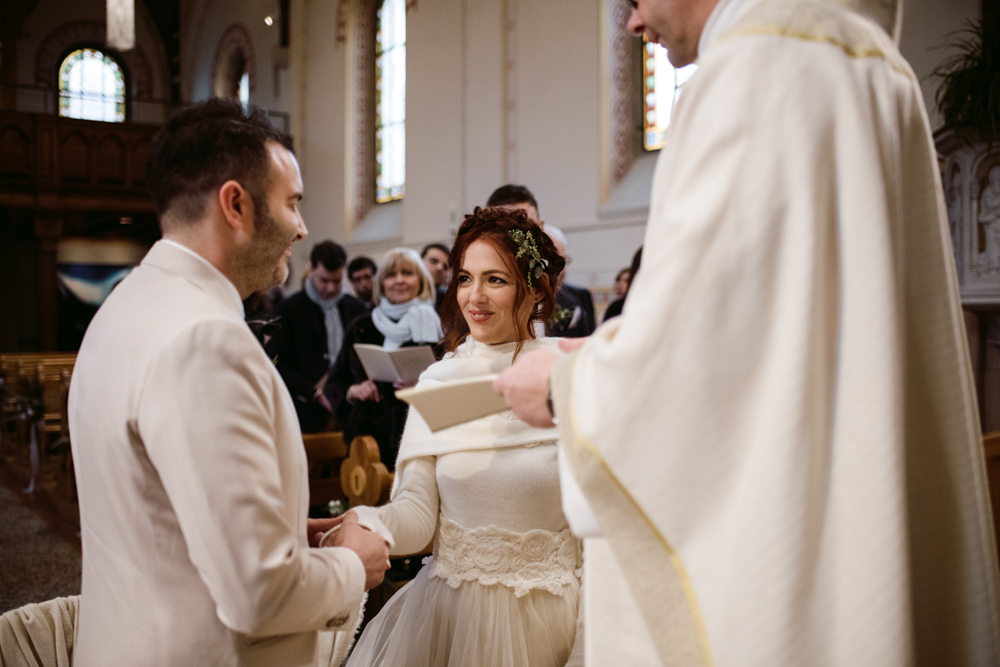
(526, 246)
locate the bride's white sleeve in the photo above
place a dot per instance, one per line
(411, 518)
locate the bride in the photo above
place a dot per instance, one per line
(502, 587)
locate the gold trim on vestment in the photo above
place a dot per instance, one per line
(805, 22)
(581, 454)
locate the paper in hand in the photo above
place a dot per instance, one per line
(402, 365)
(453, 403)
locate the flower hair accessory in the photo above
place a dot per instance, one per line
(526, 246)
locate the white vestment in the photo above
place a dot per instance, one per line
(192, 483)
(779, 438)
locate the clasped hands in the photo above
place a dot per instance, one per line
(370, 547)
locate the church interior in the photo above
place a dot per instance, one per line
(406, 115)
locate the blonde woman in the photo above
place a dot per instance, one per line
(404, 317)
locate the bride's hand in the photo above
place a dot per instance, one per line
(400, 384)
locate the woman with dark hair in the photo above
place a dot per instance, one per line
(502, 587)
(404, 317)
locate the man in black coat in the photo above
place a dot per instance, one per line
(312, 325)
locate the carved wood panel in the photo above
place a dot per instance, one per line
(111, 160)
(15, 151)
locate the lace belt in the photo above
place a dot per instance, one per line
(521, 561)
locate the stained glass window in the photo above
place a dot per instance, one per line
(244, 93)
(92, 87)
(390, 101)
(661, 86)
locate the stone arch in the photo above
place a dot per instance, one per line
(55, 45)
(233, 55)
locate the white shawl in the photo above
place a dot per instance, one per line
(471, 359)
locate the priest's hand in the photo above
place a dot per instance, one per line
(525, 387)
(572, 344)
(370, 547)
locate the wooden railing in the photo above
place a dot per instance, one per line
(48, 162)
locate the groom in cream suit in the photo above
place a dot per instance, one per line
(189, 461)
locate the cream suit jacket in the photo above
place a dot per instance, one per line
(192, 484)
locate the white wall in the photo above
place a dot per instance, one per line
(204, 22)
(473, 125)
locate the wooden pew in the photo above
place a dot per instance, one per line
(363, 476)
(324, 451)
(36, 450)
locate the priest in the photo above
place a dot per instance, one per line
(775, 451)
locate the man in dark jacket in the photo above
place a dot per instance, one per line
(313, 323)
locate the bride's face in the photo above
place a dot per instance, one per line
(486, 295)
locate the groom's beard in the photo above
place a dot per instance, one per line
(263, 263)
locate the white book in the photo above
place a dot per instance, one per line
(452, 403)
(402, 365)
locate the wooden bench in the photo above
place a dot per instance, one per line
(325, 452)
(363, 476)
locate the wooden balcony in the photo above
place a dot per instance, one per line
(60, 164)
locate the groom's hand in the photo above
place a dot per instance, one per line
(368, 545)
(316, 527)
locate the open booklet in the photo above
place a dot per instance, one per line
(452, 403)
(402, 365)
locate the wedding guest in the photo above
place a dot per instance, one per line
(310, 334)
(361, 273)
(621, 283)
(615, 309)
(404, 317)
(501, 588)
(574, 316)
(435, 256)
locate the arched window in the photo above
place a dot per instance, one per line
(92, 87)
(390, 101)
(661, 86)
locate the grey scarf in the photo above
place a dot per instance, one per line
(331, 318)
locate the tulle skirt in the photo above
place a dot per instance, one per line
(430, 624)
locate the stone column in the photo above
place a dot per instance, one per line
(48, 231)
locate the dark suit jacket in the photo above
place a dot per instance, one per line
(302, 355)
(586, 300)
(570, 319)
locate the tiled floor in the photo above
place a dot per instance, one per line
(39, 555)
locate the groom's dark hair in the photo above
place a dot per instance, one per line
(201, 148)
